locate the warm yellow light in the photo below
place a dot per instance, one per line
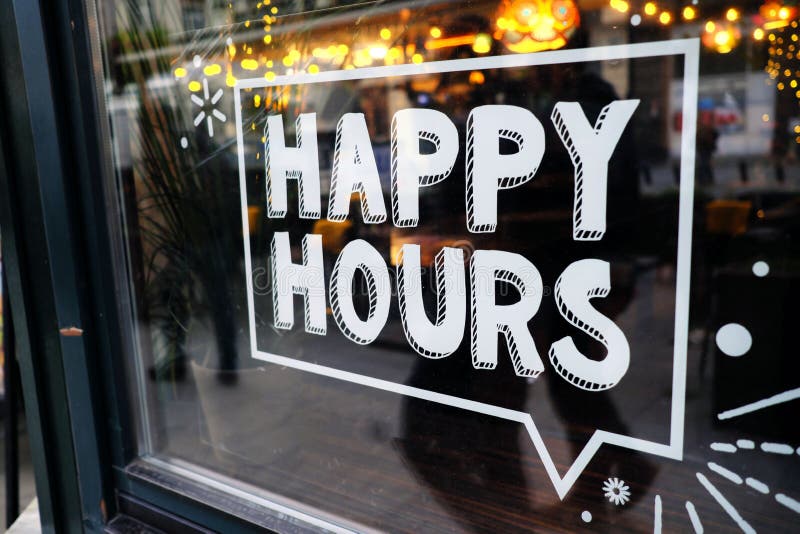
(386, 34)
(710, 26)
(476, 77)
(230, 79)
(650, 8)
(784, 13)
(689, 13)
(212, 70)
(267, 39)
(249, 64)
(732, 14)
(273, 10)
(787, 72)
(378, 52)
(436, 32)
(269, 63)
(294, 54)
(502, 23)
(342, 49)
(797, 129)
(180, 72)
(780, 86)
(195, 86)
(620, 5)
(417, 58)
(313, 69)
(362, 58)
(448, 42)
(257, 100)
(765, 117)
(665, 17)
(793, 84)
(758, 34)
(287, 61)
(269, 76)
(482, 44)
(722, 38)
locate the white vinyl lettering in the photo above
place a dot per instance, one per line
(360, 255)
(488, 318)
(443, 336)
(590, 148)
(487, 169)
(410, 168)
(581, 281)
(300, 163)
(306, 279)
(354, 169)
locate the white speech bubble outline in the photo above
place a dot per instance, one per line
(690, 49)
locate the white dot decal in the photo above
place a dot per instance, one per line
(184, 142)
(586, 516)
(636, 20)
(761, 269)
(734, 339)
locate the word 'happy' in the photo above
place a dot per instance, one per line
(487, 171)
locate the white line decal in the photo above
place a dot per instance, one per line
(689, 49)
(777, 448)
(726, 473)
(723, 447)
(780, 398)
(657, 515)
(726, 505)
(788, 502)
(694, 518)
(757, 485)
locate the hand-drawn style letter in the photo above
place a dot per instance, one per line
(360, 255)
(590, 149)
(489, 318)
(354, 169)
(411, 169)
(442, 337)
(307, 279)
(301, 163)
(487, 169)
(581, 281)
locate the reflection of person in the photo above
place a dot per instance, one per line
(707, 137)
(463, 457)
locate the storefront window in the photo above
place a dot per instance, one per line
(484, 266)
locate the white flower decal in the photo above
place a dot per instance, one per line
(616, 491)
(207, 101)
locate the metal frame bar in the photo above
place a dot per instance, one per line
(47, 285)
(10, 407)
(61, 242)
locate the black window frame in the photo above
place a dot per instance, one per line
(62, 238)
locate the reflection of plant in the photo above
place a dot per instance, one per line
(187, 213)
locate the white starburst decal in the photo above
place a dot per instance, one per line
(616, 491)
(202, 102)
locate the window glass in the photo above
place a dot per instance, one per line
(486, 266)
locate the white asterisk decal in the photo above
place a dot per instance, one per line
(616, 491)
(214, 112)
